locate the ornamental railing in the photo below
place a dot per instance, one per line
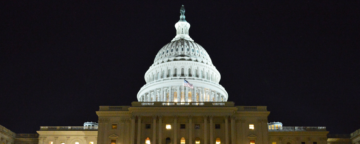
(355, 133)
(68, 128)
(298, 128)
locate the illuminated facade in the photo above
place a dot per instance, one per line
(6, 135)
(167, 112)
(181, 59)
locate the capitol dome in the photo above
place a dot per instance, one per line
(178, 61)
(183, 50)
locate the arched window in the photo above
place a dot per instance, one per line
(197, 140)
(77, 143)
(147, 140)
(182, 141)
(167, 140)
(217, 141)
(252, 141)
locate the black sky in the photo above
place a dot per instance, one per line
(61, 61)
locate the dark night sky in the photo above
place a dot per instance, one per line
(61, 61)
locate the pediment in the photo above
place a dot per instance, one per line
(113, 136)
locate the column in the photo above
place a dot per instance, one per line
(178, 94)
(132, 134)
(211, 96)
(193, 95)
(175, 129)
(265, 129)
(154, 130)
(157, 95)
(233, 138)
(205, 130)
(122, 131)
(41, 140)
(171, 94)
(226, 130)
(160, 129)
(163, 94)
(105, 133)
(152, 96)
(190, 129)
(186, 91)
(203, 94)
(211, 127)
(139, 130)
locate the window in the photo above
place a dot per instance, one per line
(91, 142)
(147, 140)
(114, 126)
(251, 126)
(147, 126)
(62, 143)
(168, 126)
(217, 126)
(113, 141)
(182, 126)
(51, 142)
(252, 141)
(217, 141)
(182, 140)
(197, 140)
(167, 140)
(273, 143)
(77, 143)
(197, 126)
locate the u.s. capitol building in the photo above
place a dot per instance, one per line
(167, 112)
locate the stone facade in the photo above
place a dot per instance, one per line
(27, 138)
(171, 110)
(6, 135)
(355, 137)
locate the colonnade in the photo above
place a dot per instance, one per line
(158, 136)
(183, 72)
(182, 94)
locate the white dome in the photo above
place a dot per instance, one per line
(178, 60)
(182, 50)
